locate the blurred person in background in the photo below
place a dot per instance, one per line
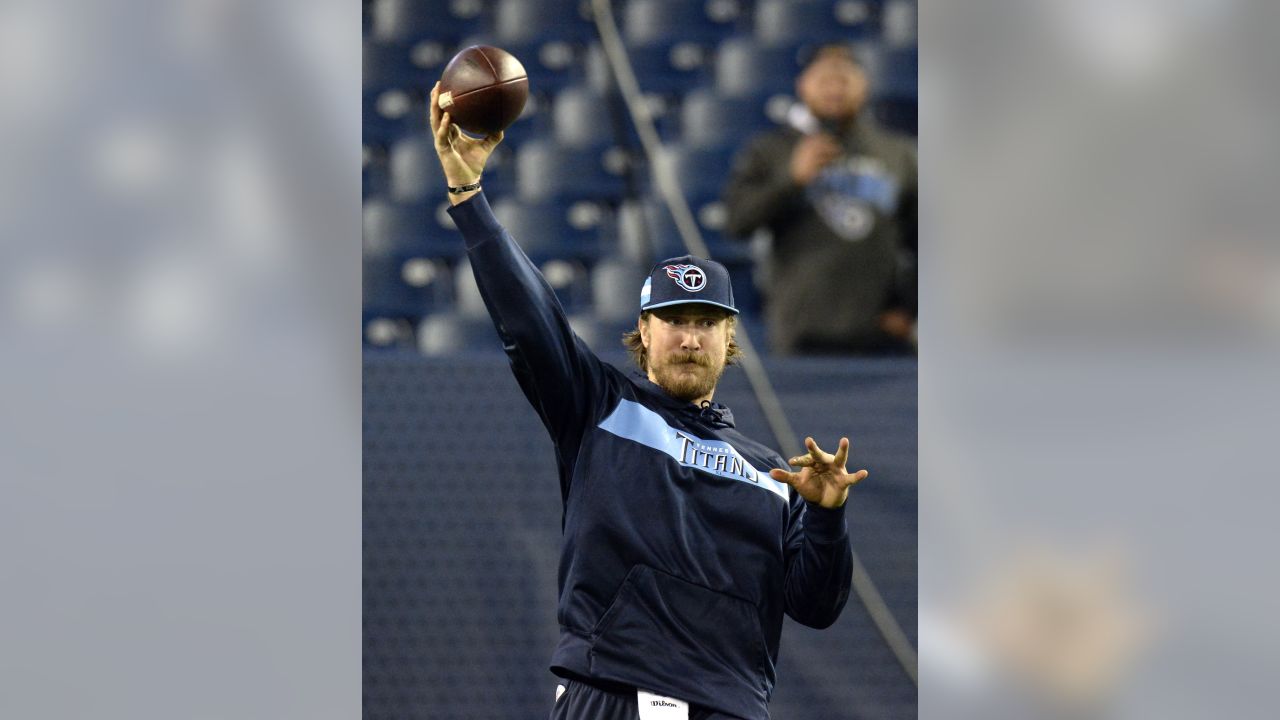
(839, 198)
(684, 542)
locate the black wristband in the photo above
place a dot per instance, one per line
(459, 189)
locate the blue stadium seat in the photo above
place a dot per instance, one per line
(553, 230)
(669, 69)
(414, 168)
(894, 89)
(664, 23)
(709, 120)
(392, 112)
(403, 64)
(423, 228)
(441, 20)
(702, 172)
(896, 73)
(743, 67)
(615, 289)
(745, 293)
(405, 285)
(548, 171)
(898, 23)
(647, 232)
(374, 176)
(582, 118)
(543, 20)
(813, 22)
(451, 333)
(385, 65)
(603, 335)
(384, 331)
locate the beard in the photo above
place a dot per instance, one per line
(688, 376)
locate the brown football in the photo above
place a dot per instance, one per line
(483, 89)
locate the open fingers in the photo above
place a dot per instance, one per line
(854, 478)
(784, 476)
(817, 453)
(842, 452)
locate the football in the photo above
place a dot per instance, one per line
(483, 89)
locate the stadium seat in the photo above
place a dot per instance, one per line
(543, 21)
(709, 120)
(813, 22)
(383, 331)
(896, 73)
(374, 175)
(548, 171)
(568, 278)
(582, 118)
(663, 23)
(701, 172)
(385, 65)
(402, 64)
(392, 112)
(894, 89)
(553, 230)
(669, 69)
(744, 68)
(414, 167)
(412, 228)
(615, 287)
(450, 333)
(440, 20)
(898, 23)
(647, 232)
(405, 285)
(601, 335)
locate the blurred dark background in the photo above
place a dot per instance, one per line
(461, 508)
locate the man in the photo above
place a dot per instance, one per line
(836, 193)
(684, 541)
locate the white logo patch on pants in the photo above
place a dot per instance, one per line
(658, 707)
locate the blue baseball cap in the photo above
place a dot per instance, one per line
(687, 279)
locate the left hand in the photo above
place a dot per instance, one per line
(822, 479)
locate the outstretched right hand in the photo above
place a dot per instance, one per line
(462, 157)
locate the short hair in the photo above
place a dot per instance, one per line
(842, 50)
(640, 354)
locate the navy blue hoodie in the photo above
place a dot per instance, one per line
(680, 553)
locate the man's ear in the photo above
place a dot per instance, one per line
(642, 325)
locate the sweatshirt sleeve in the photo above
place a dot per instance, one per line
(563, 380)
(760, 193)
(819, 564)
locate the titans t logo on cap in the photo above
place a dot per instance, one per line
(687, 279)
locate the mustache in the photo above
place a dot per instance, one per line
(688, 357)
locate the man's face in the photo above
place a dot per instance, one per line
(833, 87)
(687, 346)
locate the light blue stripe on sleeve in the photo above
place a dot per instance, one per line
(637, 423)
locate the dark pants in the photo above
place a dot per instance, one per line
(581, 701)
